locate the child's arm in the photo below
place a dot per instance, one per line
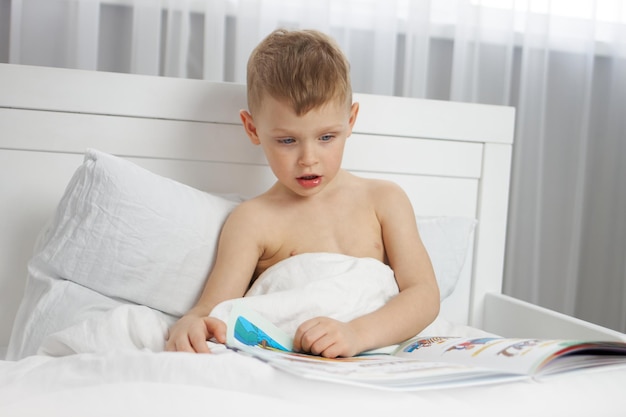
(404, 316)
(237, 256)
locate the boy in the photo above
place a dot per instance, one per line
(301, 114)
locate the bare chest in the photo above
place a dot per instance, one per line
(355, 232)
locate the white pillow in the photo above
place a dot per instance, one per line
(51, 305)
(448, 240)
(127, 233)
(122, 234)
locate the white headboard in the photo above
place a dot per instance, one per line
(453, 159)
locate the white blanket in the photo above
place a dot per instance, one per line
(294, 290)
(290, 292)
(317, 284)
(127, 327)
(113, 373)
(132, 383)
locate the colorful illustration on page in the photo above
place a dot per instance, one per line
(424, 343)
(471, 344)
(518, 348)
(249, 334)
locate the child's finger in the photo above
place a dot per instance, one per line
(216, 329)
(300, 332)
(198, 343)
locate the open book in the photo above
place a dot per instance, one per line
(423, 362)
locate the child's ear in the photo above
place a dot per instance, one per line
(354, 112)
(248, 125)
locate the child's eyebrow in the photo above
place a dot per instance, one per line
(333, 128)
(281, 132)
(287, 132)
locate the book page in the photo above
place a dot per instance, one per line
(379, 371)
(503, 356)
(250, 333)
(522, 356)
(246, 327)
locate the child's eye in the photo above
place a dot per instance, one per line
(286, 141)
(326, 138)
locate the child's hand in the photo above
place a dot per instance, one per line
(326, 337)
(190, 333)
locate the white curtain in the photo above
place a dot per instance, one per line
(561, 63)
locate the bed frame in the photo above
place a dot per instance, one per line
(453, 159)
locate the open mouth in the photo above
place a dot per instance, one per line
(308, 181)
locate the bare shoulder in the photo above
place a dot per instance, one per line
(383, 191)
(389, 199)
(249, 212)
(245, 229)
(385, 187)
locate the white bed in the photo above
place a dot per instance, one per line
(453, 159)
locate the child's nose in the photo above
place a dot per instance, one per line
(308, 157)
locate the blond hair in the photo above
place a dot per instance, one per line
(305, 68)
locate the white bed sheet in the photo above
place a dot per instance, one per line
(111, 365)
(142, 383)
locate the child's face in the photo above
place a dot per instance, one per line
(304, 151)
